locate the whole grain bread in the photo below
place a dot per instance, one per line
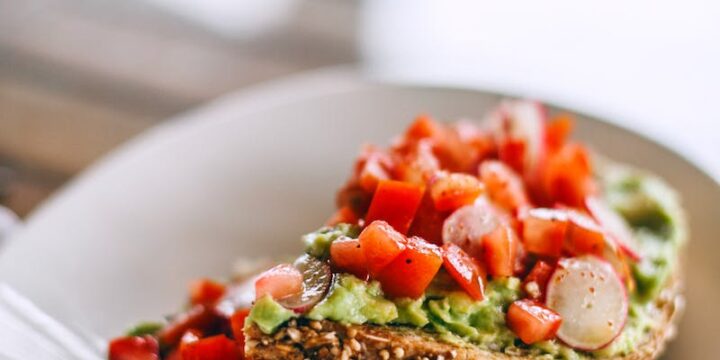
(304, 339)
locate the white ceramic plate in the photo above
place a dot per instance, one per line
(247, 175)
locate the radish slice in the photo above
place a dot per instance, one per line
(467, 225)
(317, 278)
(591, 299)
(524, 122)
(615, 226)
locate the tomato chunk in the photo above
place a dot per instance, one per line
(198, 317)
(584, 235)
(428, 222)
(504, 186)
(281, 281)
(464, 270)
(535, 282)
(347, 255)
(557, 131)
(544, 231)
(532, 322)
(455, 190)
(372, 173)
(237, 324)
(380, 244)
(344, 214)
(206, 292)
(395, 202)
(409, 274)
(217, 347)
(134, 348)
(499, 250)
(568, 175)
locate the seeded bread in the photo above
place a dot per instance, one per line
(303, 339)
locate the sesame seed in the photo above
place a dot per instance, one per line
(352, 332)
(355, 345)
(294, 334)
(384, 354)
(398, 352)
(316, 325)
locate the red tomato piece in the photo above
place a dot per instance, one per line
(352, 195)
(499, 251)
(372, 173)
(428, 222)
(504, 186)
(535, 282)
(464, 270)
(347, 255)
(423, 127)
(217, 347)
(532, 322)
(557, 131)
(544, 231)
(409, 274)
(455, 190)
(417, 164)
(206, 292)
(281, 281)
(381, 244)
(134, 348)
(198, 317)
(512, 153)
(568, 175)
(237, 324)
(190, 336)
(584, 235)
(344, 214)
(395, 202)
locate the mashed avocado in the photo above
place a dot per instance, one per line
(648, 205)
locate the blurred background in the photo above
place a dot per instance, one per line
(79, 77)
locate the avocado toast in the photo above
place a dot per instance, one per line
(499, 240)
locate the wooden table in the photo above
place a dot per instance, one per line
(78, 77)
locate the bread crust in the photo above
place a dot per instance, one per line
(303, 339)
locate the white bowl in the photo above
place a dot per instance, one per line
(247, 175)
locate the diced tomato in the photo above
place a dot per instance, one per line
(568, 175)
(395, 202)
(190, 336)
(372, 173)
(428, 222)
(352, 195)
(344, 214)
(464, 270)
(532, 322)
(504, 186)
(347, 255)
(199, 317)
(409, 274)
(281, 281)
(134, 348)
(479, 144)
(237, 324)
(423, 127)
(544, 231)
(584, 235)
(206, 292)
(381, 244)
(539, 275)
(499, 251)
(512, 153)
(557, 131)
(417, 164)
(217, 347)
(455, 190)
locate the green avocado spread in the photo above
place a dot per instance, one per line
(649, 206)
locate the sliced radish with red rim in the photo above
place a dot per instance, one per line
(317, 279)
(592, 300)
(523, 122)
(467, 225)
(614, 224)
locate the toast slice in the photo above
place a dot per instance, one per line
(305, 339)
